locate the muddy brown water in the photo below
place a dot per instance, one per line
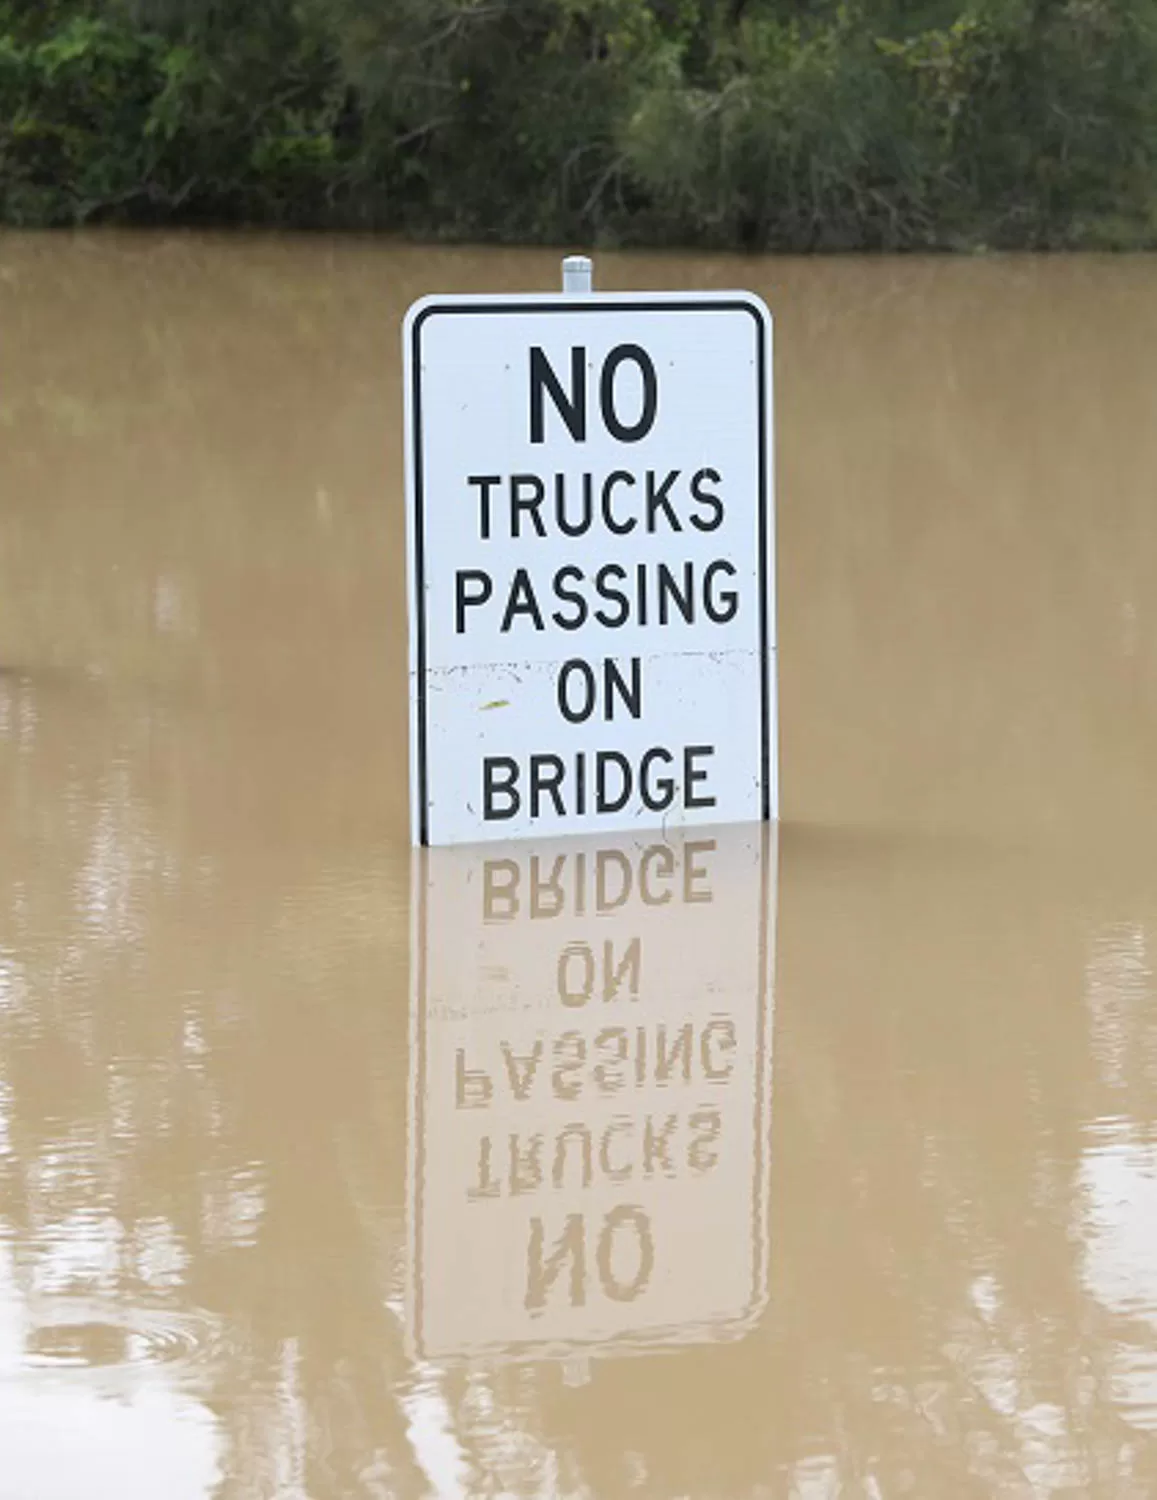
(816, 1165)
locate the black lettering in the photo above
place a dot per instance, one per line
(604, 803)
(702, 497)
(572, 409)
(589, 690)
(604, 591)
(565, 525)
(659, 797)
(724, 609)
(669, 589)
(569, 596)
(659, 499)
(692, 776)
(614, 683)
(620, 528)
(526, 496)
(465, 599)
(546, 777)
(493, 788)
(521, 602)
(485, 483)
(624, 432)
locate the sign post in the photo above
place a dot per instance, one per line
(591, 562)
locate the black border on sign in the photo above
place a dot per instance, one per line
(656, 304)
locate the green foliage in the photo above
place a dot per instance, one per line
(765, 123)
(103, 117)
(802, 138)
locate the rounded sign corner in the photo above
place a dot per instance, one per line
(754, 304)
(417, 313)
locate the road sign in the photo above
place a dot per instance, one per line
(591, 564)
(590, 1093)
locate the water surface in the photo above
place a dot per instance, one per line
(814, 1165)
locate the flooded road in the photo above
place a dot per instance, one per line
(801, 1166)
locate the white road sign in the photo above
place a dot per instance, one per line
(590, 1093)
(591, 564)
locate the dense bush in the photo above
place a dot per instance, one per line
(781, 123)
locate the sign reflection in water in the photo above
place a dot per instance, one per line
(590, 1093)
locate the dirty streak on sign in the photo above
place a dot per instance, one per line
(591, 564)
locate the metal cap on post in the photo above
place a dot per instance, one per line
(576, 274)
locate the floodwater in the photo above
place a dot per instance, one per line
(816, 1164)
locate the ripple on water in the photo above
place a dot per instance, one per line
(87, 1336)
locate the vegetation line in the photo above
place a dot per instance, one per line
(763, 124)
